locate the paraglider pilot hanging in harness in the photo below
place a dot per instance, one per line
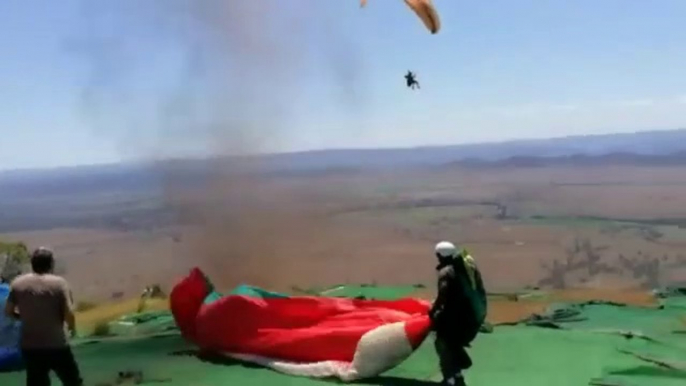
(411, 79)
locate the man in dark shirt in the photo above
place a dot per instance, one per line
(458, 312)
(43, 303)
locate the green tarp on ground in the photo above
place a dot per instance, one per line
(145, 323)
(513, 356)
(583, 352)
(371, 291)
(248, 290)
(644, 345)
(245, 290)
(660, 322)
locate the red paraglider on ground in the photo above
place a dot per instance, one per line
(307, 336)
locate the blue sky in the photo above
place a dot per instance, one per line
(497, 70)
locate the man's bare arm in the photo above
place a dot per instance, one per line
(11, 306)
(71, 322)
(11, 310)
(69, 317)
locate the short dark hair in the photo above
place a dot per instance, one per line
(42, 260)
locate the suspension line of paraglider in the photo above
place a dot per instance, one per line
(425, 10)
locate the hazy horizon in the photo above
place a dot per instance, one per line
(513, 142)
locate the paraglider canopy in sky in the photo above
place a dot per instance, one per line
(425, 10)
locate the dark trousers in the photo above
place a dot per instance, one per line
(39, 363)
(453, 358)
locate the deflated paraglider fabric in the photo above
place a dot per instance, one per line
(307, 336)
(425, 10)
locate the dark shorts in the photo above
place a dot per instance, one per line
(39, 363)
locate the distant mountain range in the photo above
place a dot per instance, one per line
(645, 148)
(653, 143)
(578, 160)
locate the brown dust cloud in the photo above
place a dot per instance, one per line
(224, 80)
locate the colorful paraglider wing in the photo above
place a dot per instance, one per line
(306, 336)
(425, 10)
(427, 13)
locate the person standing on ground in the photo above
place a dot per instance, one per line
(43, 303)
(458, 312)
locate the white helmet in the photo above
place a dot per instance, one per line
(445, 249)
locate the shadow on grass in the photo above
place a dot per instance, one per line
(397, 381)
(215, 359)
(650, 371)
